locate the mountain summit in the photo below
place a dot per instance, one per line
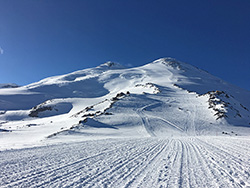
(163, 98)
(112, 65)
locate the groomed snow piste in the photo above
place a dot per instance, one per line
(214, 161)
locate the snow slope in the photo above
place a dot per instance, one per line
(146, 162)
(160, 99)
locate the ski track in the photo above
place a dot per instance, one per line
(148, 126)
(146, 162)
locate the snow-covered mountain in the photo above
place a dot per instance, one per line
(9, 85)
(160, 99)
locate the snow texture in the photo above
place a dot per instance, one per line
(149, 162)
(164, 124)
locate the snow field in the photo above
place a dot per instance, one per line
(146, 162)
(164, 124)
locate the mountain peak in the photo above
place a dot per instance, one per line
(111, 65)
(169, 61)
(165, 59)
(9, 85)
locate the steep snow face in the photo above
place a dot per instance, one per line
(162, 98)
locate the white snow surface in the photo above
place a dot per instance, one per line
(164, 124)
(160, 99)
(213, 161)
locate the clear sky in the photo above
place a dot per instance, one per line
(41, 38)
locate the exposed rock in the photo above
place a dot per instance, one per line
(36, 110)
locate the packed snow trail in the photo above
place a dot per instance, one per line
(147, 162)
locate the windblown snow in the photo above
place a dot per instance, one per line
(164, 124)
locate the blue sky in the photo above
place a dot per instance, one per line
(41, 38)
